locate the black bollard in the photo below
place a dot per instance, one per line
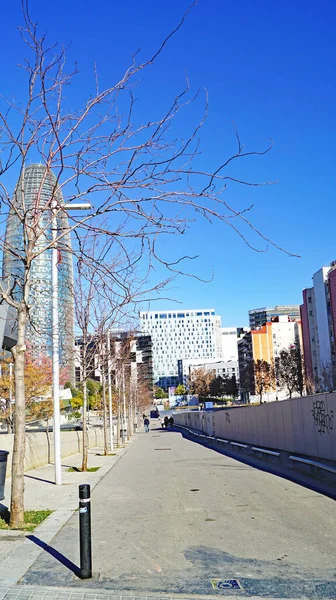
(85, 531)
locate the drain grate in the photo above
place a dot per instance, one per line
(162, 448)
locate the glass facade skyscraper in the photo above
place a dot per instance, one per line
(34, 191)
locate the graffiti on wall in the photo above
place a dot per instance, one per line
(324, 420)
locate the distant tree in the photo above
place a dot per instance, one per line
(246, 381)
(289, 369)
(6, 389)
(264, 377)
(200, 382)
(231, 386)
(160, 394)
(37, 380)
(327, 381)
(94, 394)
(180, 390)
(310, 384)
(217, 387)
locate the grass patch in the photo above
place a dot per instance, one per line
(79, 470)
(32, 519)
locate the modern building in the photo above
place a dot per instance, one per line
(133, 350)
(181, 334)
(219, 368)
(259, 316)
(8, 328)
(34, 191)
(318, 314)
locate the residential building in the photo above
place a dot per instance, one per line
(179, 334)
(309, 335)
(230, 337)
(229, 343)
(265, 343)
(260, 316)
(274, 336)
(222, 368)
(318, 313)
(37, 181)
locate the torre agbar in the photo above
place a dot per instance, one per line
(34, 190)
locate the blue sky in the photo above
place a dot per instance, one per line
(268, 66)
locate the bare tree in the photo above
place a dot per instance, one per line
(327, 382)
(264, 377)
(200, 382)
(289, 369)
(133, 170)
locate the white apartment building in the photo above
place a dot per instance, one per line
(230, 337)
(229, 343)
(178, 334)
(322, 319)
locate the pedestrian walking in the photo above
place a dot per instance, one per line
(166, 422)
(146, 424)
(162, 422)
(171, 422)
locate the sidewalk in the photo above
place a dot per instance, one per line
(17, 553)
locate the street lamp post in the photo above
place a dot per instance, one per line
(124, 402)
(55, 335)
(109, 383)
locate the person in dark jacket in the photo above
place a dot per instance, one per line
(171, 422)
(146, 424)
(166, 421)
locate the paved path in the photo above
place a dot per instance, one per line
(16, 551)
(172, 515)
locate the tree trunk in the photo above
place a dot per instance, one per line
(105, 415)
(17, 487)
(118, 413)
(48, 441)
(8, 419)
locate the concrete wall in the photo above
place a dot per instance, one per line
(304, 425)
(38, 452)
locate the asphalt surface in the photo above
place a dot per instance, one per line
(173, 515)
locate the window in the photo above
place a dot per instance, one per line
(199, 314)
(180, 315)
(207, 314)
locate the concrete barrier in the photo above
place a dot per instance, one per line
(304, 425)
(39, 452)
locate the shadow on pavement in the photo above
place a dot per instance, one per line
(326, 488)
(55, 554)
(39, 479)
